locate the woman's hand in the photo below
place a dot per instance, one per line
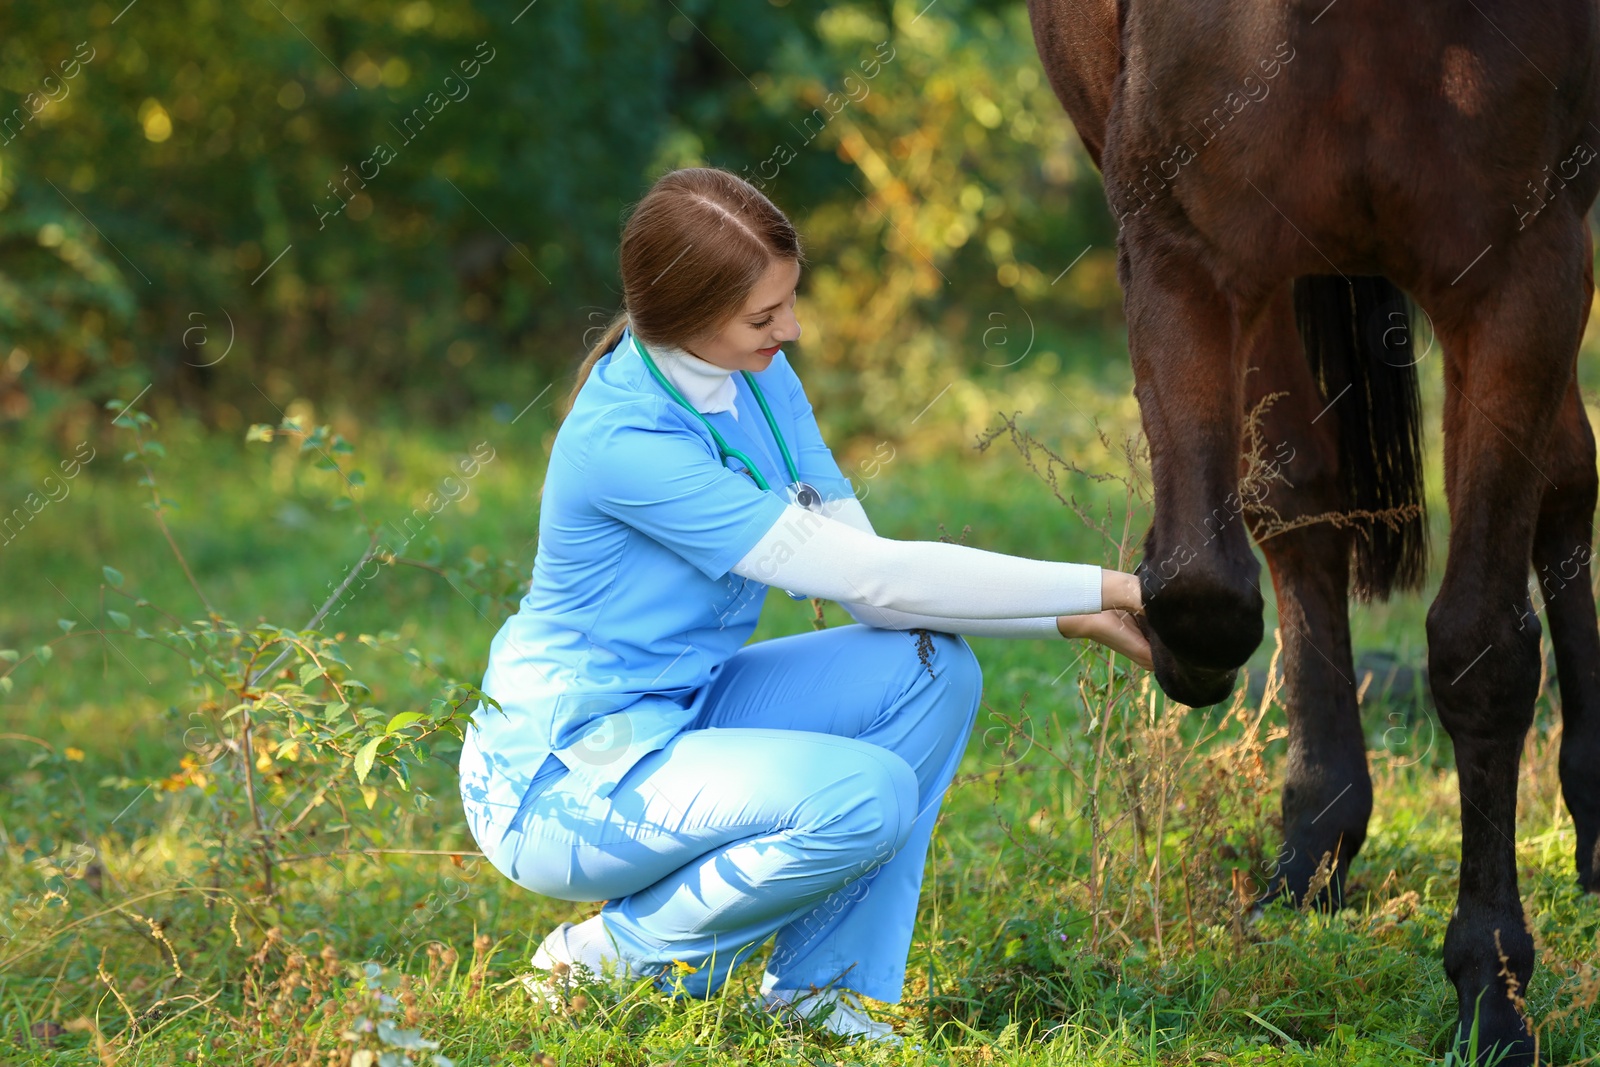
(1115, 626)
(1116, 629)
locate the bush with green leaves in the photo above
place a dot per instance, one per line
(288, 747)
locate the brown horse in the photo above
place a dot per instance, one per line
(1286, 175)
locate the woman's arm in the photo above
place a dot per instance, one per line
(818, 466)
(1105, 627)
(849, 511)
(824, 557)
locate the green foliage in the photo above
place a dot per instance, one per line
(284, 739)
(422, 201)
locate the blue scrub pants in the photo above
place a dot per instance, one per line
(800, 802)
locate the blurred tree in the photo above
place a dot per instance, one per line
(417, 204)
(957, 198)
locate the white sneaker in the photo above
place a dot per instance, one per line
(572, 952)
(838, 1011)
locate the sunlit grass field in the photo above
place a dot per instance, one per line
(1086, 898)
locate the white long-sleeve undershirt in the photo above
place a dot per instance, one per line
(849, 510)
(919, 584)
(890, 584)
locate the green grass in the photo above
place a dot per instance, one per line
(1078, 905)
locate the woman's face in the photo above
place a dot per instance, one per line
(765, 323)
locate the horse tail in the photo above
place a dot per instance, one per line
(1358, 339)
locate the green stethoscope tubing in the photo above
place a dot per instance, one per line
(724, 449)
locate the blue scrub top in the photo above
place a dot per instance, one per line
(632, 610)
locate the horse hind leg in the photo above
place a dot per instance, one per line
(1562, 549)
(1327, 791)
(1510, 349)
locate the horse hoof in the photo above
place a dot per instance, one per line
(1589, 872)
(1498, 1054)
(1329, 900)
(1502, 1041)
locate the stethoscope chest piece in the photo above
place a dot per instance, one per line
(805, 495)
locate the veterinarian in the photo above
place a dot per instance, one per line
(715, 793)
